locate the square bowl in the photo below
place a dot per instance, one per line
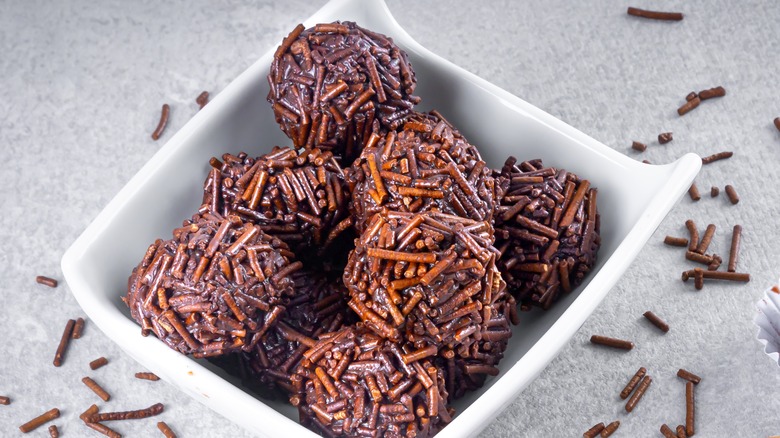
(633, 199)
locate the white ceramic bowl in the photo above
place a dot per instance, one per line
(633, 199)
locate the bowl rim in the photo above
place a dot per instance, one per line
(496, 398)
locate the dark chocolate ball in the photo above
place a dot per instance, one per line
(426, 166)
(354, 381)
(217, 287)
(428, 279)
(318, 307)
(335, 84)
(301, 198)
(547, 229)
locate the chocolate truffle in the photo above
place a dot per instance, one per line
(469, 365)
(217, 287)
(547, 229)
(355, 383)
(300, 198)
(335, 84)
(426, 166)
(429, 279)
(318, 307)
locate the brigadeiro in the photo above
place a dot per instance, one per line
(426, 166)
(335, 84)
(468, 366)
(547, 230)
(318, 307)
(356, 383)
(299, 197)
(428, 278)
(217, 287)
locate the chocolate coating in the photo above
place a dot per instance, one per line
(426, 166)
(318, 307)
(217, 287)
(334, 85)
(354, 383)
(429, 279)
(301, 198)
(547, 229)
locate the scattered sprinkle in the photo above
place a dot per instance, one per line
(655, 15)
(166, 110)
(46, 281)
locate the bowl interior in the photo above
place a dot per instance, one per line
(168, 189)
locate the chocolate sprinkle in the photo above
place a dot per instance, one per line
(612, 342)
(693, 192)
(202, 99)
(610, 429)
(667, 432)
(732, 194)
(693, 242)
(147, 376)
(716, 157)
(719, 275)
(689, 376)
(166, 110)
(676, 241)
(736, 238)
(714, 191)
(640, 391)
(97, 363)
(78, 328)
(665, 137)
(594, 431)
(712, 92)
(655, 15)
(96, 388)
(688, 106)
(706, 239)
(698, 258)
(657, 321)
(698, 278)
(689, 409)
(46, 281)
(62, 348)
(155, 409)
(102, 428)
(40, 420)
(637, 146)
(166, 430)
(629, 388)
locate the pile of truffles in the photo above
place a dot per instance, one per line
(371, 273)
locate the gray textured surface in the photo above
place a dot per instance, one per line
(81, 89)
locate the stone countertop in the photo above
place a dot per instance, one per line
(82, 84)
